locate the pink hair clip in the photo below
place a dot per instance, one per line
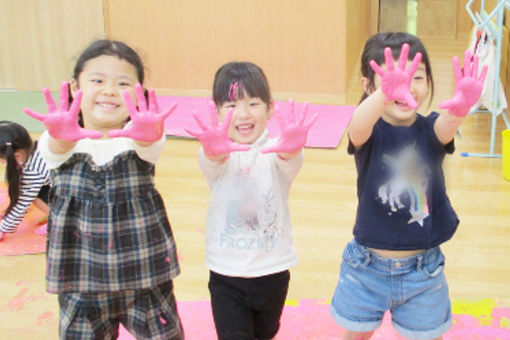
(233, 90)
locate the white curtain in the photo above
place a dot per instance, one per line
(485, 48)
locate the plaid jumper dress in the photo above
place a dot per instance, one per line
(108, 229)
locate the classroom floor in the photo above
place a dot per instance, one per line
(322, 205)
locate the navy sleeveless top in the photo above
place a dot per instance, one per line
(402, 200)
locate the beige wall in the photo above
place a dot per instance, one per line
(39, 38)
(437, 18)
(299, 44)
(393, 15)
(308, 49)
(359, 27)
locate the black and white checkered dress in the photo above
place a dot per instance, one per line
(108, 229)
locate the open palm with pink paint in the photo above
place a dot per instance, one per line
(294, 130)
(147, 122)
(468, 86)
(213, 136)
(396, 81)
(62, 121)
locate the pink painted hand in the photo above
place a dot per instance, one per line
(396, 82)
(294, 130)
(147, 123)
(468, 87)
(62, 121)
(214, 138)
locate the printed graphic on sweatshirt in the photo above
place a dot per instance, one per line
(251, 217)
(407, 187)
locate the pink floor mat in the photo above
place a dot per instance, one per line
(310, 320)
(325, 133)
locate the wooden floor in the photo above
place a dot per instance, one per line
(322, 206)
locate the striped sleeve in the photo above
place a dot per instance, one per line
(35, 175)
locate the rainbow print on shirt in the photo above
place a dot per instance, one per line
(409, 175)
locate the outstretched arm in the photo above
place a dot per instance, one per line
(294, 131)
(395, 85)
(214, 137)
(62, 121)
(147, 123)
(468, 88)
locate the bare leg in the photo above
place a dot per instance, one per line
(350, 335)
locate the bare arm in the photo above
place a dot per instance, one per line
(365, 116)
(446, 127)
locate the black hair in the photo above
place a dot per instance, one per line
(110, 48)
(13, 137)
(235, 79)
(374, 50)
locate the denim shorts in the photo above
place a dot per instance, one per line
(413, 289)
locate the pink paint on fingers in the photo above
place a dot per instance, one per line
(62, 121)
(396, 81)
(147, 121)
(468, 86)
(294, 130)
(214, 136)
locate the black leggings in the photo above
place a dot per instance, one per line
(248, 308)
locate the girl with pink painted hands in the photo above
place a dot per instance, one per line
(394, 263)
(248, 231)
(217, 144)
(111, 254)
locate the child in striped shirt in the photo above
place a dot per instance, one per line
(26, 174)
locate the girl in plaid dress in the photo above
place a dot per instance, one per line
(111, 255)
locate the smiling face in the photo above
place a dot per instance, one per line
(398, 112)
(102, 81)
(249, 119)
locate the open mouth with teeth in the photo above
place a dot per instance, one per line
(245, 129)
(107, 106)
(402, 105)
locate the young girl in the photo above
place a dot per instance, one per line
(111, 255)
(248, 235)
(394, 262)
(26, 175)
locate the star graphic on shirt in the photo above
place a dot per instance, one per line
(417, 216)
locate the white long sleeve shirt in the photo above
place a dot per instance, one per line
(248, 231)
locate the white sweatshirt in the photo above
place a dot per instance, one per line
(248, 230)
